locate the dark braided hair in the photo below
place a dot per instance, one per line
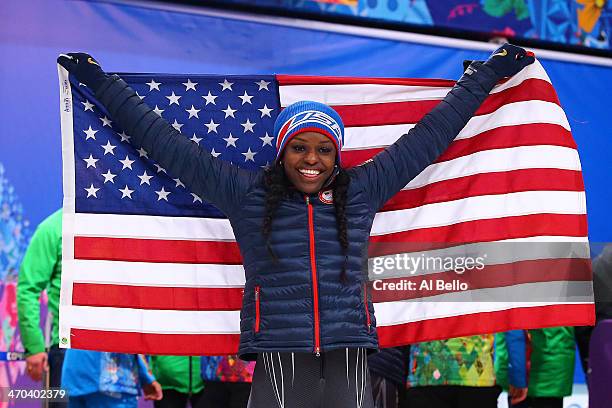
(277, 188)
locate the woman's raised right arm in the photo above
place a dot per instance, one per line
(217, 181)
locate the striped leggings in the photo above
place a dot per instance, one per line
(335, 379)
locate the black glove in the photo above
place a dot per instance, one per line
(508, 60)
(84, 68)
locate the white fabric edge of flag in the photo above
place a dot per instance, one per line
(68, 180)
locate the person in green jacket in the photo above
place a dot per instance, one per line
(536, 366)
(180, 379)
(41, 269)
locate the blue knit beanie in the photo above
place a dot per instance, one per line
(308, 116)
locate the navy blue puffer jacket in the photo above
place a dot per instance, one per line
(298, 303)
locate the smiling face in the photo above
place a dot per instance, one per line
(309, 160)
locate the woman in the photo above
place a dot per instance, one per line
(302, 226)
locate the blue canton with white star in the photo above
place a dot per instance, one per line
(230, 116)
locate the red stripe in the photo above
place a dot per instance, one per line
(499, 138)
(504, 137)
(494, 229)
(390, 113)
(530, 89)
(487, 184)
(157, 250)
(486, 322)
(332, 80)
(491, 276)
(155, 297)
(152, 343)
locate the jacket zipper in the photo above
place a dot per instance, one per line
(365, 303)
(256, 309)
(315, 284)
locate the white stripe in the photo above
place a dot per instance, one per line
(469, 302)
(478, 208)
(359, 94)
(155, 274)
(518, 113)
(369, 137)
(152, 321)
(487, 253)
(497, 160)
(153, 227)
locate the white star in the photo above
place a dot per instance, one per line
(126, 192)
(193, 112)
(108, 176)
(265, 111)
(178, 182)
(226, 85)
(267, 140)
(127, 163)
(229, 112)
(91, 162)
(249, 155)
(142, 153)
(162, 194)
(262, 85)
(144, 178)
(82, 84)
(109, 148)
(153, 85)
(248, 126)
(210, 98)
(91, 134)
(140, 96)
(265, 165)
(214, 154)
(106, 122)
(160, 168)
(195, 139)
(91, 191)
(246, 98)
(196, 197)
(231, 140)
(177, 125)
(212, 126)
(190, 85)
(158, 110)
(88, 105)
(173, 98)
(124, 137)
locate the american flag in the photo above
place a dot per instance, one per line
(149, 267)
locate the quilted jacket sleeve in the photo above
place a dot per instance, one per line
(215, 180)
(394, 167)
